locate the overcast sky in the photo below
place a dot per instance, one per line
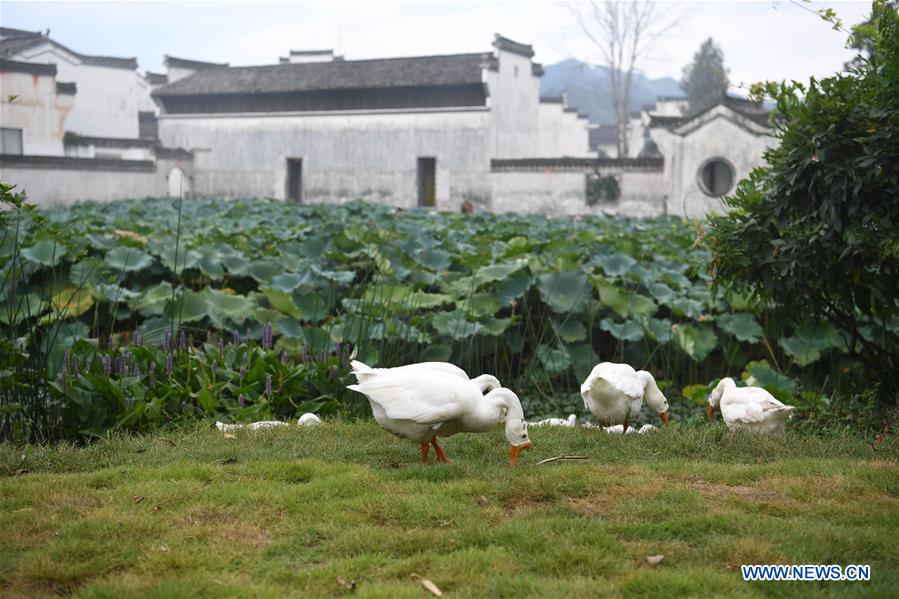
(761, 40)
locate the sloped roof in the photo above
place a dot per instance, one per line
(20, 40)
(32, 68)
(752, 111)
(186, 63)
(504, 43)
(456, 69)
(602, 135)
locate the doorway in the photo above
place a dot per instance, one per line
(427, 182)
(295, 179)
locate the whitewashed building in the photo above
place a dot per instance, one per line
(76, 126)
(110, 93)
(404, 131)
(707, 153)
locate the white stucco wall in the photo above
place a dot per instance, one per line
(514, 100)
(108, 99)
(56, 186)
(346, 156)
(721, 133)
(563, 193)
(37, 110)
(561, 133)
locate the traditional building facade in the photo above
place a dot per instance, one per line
(707, 153)
(453, 131)
(404, 131)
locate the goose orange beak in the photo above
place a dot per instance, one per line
(664, 416)
(516, 450)
(710, 412)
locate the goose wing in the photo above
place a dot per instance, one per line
(423, 397)
(620, 377)
(752, 404)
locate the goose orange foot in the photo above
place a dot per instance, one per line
(425, 451)
(441, 456)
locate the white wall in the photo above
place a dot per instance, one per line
(563, 193)
(54, 185)
(108, 99)
(715, 135)
(514, 100)
(371, 156)
(561, 133)
(37, 109)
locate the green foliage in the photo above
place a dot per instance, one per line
(602, 189)
(814, 231)
(533, 300)
(705, 79)
(141, 386)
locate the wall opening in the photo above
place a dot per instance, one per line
(716, 177)
(11, 141)
(178, 183)
(295, 179)
(427, 182)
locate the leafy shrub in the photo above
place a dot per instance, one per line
(602, 189)
(814, 231)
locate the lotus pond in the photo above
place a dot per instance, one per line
(153, 310)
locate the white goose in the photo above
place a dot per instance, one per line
(749, 408)
(614, 394)
(421, 405)
(486, 382)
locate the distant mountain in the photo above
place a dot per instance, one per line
(590, 91)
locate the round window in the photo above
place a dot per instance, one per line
(716, 177)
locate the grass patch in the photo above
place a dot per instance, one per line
(286, 512)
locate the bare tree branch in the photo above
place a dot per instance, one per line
(625, 33)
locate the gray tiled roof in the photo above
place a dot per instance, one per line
(10, 46)
(504, 43)
(457, 69)
(33, 68)
(754, 111)
(186, 63)
(156, 78)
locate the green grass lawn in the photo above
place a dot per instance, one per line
(286, 512)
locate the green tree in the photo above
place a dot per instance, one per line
(705, 79)
(816, 229)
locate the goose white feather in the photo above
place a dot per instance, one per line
(307, 419)
(749, 408)
(421, 404)
(486, 382)
(614, 394)
(569, 422)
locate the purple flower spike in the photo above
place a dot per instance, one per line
(182, 341)
(215, 367)
(129, 401)
(283, 357)
(248, 335)
(107, 365)
(243, 372)
(305, 355)
(136, 370)
(221, 348)
(67, 358)
(166, 341)
(333, 372)
(168, 363)
(152, 377)
(137, 338)
(268, 386)
(75, 367)
(236, 338)
(241, 401)
(245, 360)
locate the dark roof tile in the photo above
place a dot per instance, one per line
(455, 69)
